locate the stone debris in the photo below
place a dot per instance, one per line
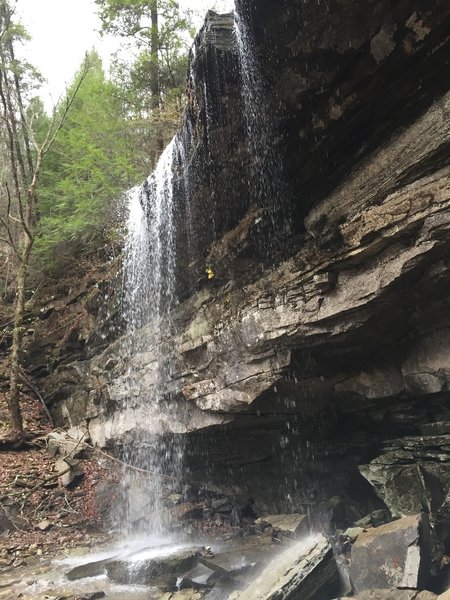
(59, 442)
(69, 470)
(288, 525)
(412, 474)
(45, 524)
(395, 555)
(354, 532)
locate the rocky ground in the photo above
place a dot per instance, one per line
(40, 512)
(53, 544)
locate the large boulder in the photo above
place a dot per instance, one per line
(413, 474)
(395, 555)
(141, 570)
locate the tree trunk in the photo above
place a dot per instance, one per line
(154, 78)
(16, 348)
(154, 57)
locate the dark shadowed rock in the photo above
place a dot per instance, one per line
(413, 474)
(334, 336)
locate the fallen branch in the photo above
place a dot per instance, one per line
(131, 467)
(42, 483)
(34, 389)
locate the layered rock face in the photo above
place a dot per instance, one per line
(319, 367)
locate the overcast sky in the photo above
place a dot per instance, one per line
(62, 30)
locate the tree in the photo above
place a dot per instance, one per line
(91, 162)
(160, 32)
(20, 183)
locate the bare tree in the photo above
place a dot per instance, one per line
(25, 157)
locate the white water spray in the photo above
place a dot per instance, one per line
(149, 297)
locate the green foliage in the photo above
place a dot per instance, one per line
(114, 131)
(131, 18)
(158, 35)
(89, 165)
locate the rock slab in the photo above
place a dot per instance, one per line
(395, 555)
(305, 571)
(289, 525)
(132, 570)
(395, 595)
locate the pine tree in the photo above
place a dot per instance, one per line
(155, 81)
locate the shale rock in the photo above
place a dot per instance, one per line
(397, 554)
(91, 569)
(339, 325)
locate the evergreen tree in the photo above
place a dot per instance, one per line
(87, 169)
(154, 83)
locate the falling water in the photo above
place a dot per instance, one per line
(149, 296)
(267, 182)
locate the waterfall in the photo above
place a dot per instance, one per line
(149, 287)
(267, 181)
(148, 300)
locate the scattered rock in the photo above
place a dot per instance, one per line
(353, 532)
(374, 519)
(412, 474)
(384, 594)
(6, 524)
(174, 499)
(289, 525)
(69, 471)
(397, 554)
(65, 445)
(45, 524)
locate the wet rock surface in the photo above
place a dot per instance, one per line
(345, 330)
(145, 571)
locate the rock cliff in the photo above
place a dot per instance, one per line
(306, 368)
